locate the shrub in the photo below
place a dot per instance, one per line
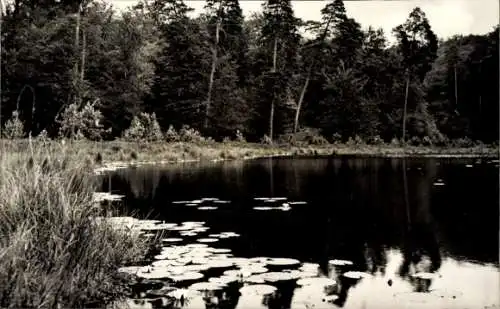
(336, 138)
(395, 142)
(190, 135)
(14, 128)
(84, 123)
(317, 140)
(266, 140)
(144, 127)
(171, 135)
(358, 140)
(54, 252)
(239, 137)
(463, 142)
(415, 141)
(375, 140)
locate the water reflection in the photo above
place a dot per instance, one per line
(386, 216)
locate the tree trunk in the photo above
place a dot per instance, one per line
(75, 67)
(405, 106)
(301, 99)
(214, 66)
(456, 89)
(82, 66)
(271, 114)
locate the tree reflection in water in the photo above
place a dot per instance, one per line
(421, 251)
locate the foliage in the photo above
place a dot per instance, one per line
(54, 252)
(157, 58)
(14, 128)
(144, 127)
(78, 123)
(187, 134)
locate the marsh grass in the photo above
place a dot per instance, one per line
(53, 253)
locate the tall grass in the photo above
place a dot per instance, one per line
(53, 253)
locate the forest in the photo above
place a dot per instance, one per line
(73, 68)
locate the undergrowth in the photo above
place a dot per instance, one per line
(53, 253)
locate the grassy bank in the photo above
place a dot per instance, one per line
(52, 251)
(120, 151)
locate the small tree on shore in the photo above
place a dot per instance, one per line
(84, 123)
(14, 128)
(144, 127)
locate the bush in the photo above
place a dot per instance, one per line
(144, 127)
(336, 138)
(84, 123)
(54, 252)
(14, 128)
(239, 137)
(317, 140)
(190, 135)
(463, 142)
(171, 135)
(266, 140)
(395, 142)
(426, 141)
(415, 141)
(375, 140)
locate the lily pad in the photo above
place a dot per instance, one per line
(274, 277)
(316, 282)
(298, 203)
(207, 240)
(196, 246)
(340, 263)
(278, 198)
(258, 290)
(206, 287)
(356, 275)
(219, 250)
(263, 208)
(283, 262)
(188, 234)
(188, 276)
(261, 198)
(172, 239)
(221, 202)
(224, 280)
(181, 202)
(207, 208)
(220, 264)
(229, 234)
(209, 199)
(193, 223)
(255, 279)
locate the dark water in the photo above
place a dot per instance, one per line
(385, 215)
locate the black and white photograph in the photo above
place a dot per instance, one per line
(249, 154)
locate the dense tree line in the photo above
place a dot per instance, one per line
(221, 73)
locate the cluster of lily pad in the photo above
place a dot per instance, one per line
(206, 203)
(189, 270)
(270, 203)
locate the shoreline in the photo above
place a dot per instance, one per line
(224, 152)
(103, 156)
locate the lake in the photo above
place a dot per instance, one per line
(406, 233)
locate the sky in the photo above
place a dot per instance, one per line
(447, 17)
